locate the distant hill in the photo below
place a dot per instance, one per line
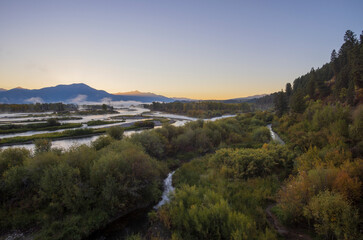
(244, 99)
(137, 93)
(73, 93)
(145, 96)
(3, 89)
(181, 99)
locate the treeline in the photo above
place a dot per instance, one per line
(202, 109)
(321, 120)
(37, 107)
(50, 125)
(69, 194)
(340, 80)
(263, 103)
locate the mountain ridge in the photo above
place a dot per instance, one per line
(72, 93)
(80, 93)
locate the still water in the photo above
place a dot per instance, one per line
(179, 120)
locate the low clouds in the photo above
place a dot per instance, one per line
(106, 100)
(79, 99)
(34, 100)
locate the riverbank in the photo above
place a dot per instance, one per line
(20, 128)
(76, 133)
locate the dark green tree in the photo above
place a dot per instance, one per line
(350, 93)
(288, 90)
(104, 107)
(350, 37)
(281, 105)
(297, 103)
(357, 63)
(334, 61)
(311, 83)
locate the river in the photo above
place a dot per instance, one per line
(274, 135)
(179, 120)
(135, 221)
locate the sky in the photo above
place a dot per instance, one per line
(204, 49)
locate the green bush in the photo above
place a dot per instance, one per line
(101, 142)
(12, 157)
(261, 134)
(332, 216)
(153, 143)
(115, 132)
(42, 145)
(197, 213)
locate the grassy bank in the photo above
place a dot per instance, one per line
(54, 135)
(72, 133)
(11, 128)
(101, 122)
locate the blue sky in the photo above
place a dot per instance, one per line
(199, 49)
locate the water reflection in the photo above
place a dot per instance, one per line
(67, 143)
(274, 135)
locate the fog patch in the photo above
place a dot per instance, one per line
(115, 104)
(34, 100)
(80, 99)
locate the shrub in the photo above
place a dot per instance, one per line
(261, 135)
(332, 216)
(115, 132)
(153, 143)
(42, 145)
(53, 122)
(197, 213)
(12, 157)
(101, 142)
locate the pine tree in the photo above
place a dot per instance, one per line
(297, 103)
(288, 90)
(311, 83)
(281, 105)
(334, 62)
(350, 93)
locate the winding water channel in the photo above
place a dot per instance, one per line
(274, 135)
(178, 120)
(135, 221)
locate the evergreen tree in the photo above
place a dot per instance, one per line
(350, 93)
(357, 63)
(311, 84)
(297, 103)
(281, 105)
(334, 62)
(322, 88)
(350, 38)
(288, 90)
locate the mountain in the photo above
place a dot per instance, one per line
(137, 93)
(2, 89)
(145, 96)
(181, 99)
(80, 92)
(244, 99)
(73, 93)
(20, 88)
